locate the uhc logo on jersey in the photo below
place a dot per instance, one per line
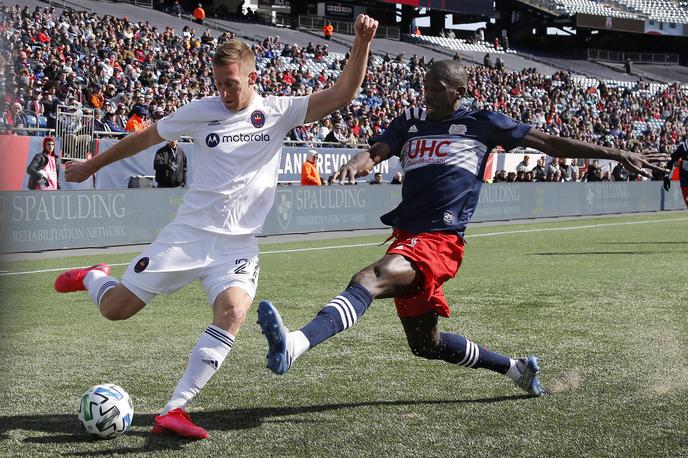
(426, 148)
(465, 153)
(258, 119)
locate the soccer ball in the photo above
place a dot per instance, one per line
(106, 411)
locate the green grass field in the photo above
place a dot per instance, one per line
(603, 302)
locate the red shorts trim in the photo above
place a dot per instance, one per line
(438, 256)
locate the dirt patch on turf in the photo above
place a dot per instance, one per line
(570, 380)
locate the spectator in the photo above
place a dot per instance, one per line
(328, 29)
(310, 176)
(628, 66)
(138, 120)
(487, 61)
(397, 179)
(499, 64)
(594, 172)
(377, 178)
(177, 9)
(500, 177)
(109, 123)
(553, 169)
(619, 173)
(240, 8)
(523, 166)
(158, 113)
(43, 168)
(565, 169)
(170, 166)
(199, 14)
(16, 119)
(337, 135)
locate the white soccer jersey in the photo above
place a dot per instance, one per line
(236, 159)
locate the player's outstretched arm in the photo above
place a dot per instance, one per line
(324, 102)
(569, 148)
(128, 146)
(362, 163)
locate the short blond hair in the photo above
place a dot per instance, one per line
(235, 51)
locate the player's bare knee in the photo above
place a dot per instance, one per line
(230, 317)
(366, 278)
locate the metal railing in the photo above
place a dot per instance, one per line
(635, 57)
(74, 125)
(344, 27)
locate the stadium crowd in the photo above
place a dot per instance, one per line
(130, 73)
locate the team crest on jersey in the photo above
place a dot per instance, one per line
(457, 129)
(212, 140)
(258, 119)
(412, 129)
(141, 265)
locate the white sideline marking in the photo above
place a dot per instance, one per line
(334, 247)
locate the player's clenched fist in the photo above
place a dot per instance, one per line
(77, 172)
(365, 27)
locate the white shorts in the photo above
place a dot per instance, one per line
(182, 254)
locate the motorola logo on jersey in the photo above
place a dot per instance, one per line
(258, 119)
(213, 139)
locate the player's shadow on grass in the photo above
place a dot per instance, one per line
(65, 429)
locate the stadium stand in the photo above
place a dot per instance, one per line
(657, 10)
(113, 64)
(571, 7)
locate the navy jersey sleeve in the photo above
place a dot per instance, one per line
(394, 136)
(507, 132)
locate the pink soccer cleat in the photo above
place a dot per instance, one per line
(73, 280)
(178, 422)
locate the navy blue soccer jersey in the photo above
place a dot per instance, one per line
(681, 153)
(443, 164)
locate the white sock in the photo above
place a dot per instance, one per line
(299, 343)
(205, 359)
(514, 371)
(98, 283)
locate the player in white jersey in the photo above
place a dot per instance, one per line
(238, 139)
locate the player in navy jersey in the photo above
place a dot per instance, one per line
(679, 154)
(443, 151)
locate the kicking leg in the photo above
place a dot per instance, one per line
(426, 341)
(390, 276)
(114, 300)
(213, 347)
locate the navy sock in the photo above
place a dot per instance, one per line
(457, 349)
(338, 315)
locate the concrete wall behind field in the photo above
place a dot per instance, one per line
(37, 221)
